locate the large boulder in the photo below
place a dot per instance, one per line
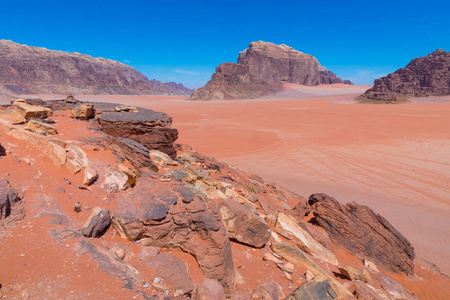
(83, 111)
(366, 234)
(243, 224)
(172, 270)
(170, 216)
(28, 111)
(147, 127)
(423, 76)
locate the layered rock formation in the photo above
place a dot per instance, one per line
(261, 69)
(30, 70)
(423, 76)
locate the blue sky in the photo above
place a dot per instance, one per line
(183, 41)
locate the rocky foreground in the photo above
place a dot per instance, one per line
(422, 77)
(34, 70)
(262, 69)
(97, 201)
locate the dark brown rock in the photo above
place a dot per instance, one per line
(158, 213)
(366, 234)
(423, 76)
(261, 70)
(30, 70)
(147, 127)
(8, 198)
(172, 270)
(136, 153)
(318, 288)
(97, 223)
(2, 151)
(243, 225)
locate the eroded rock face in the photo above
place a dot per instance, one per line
(243, 225)
(97, 223)
(171, 216)
(28, 70)
(366, 234)
(262, 69)
(423, 76)
(147, 127)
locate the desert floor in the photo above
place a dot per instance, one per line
(393, 158)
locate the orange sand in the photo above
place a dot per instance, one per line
(393, 158)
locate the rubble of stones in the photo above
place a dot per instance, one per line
(167, 196)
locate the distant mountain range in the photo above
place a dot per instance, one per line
(33, 70)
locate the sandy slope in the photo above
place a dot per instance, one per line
(394, 158)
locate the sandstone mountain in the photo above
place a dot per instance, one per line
(263, 68)
(423, 76)
(30, 70)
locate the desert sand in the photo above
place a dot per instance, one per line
(393, 158)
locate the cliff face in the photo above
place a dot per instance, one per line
(29, 70)
(262, 68)
(423, 76)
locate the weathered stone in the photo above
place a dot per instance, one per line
(148, 211)
(267, 291)
(318, 288)
(83, 111)
(8, 198)
(243, 225)
(32, 111)
(149, 128)
(210, 289)
(295, 255)
(90, 175)
(423, 76)
(318, 234)
(368, 235)
(300, 210)
(172, 270)
(76, 158)
(97, 223)
(162, 158)
(134, 152)
(288, 227)
(114, 181)
(352, 273)
(365, 291)
(39, 127)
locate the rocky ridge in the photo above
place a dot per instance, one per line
(32, 70)
(262, 69)
(120, 232)
(422, 77)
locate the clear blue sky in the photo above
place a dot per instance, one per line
(183, 41)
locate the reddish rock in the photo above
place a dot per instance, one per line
(172, 270)
(318, 234)
(161, 214)
(300, 210)
(243, 225)
(149, 128)
(366, 234)
(267, 291)
(210, 289)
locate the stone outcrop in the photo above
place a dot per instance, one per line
(97, 223)
(243, 225)
(262, 69)
(147, 127)
(366, 234)
(83, 111)
(170, 216)
(318, 288)
(172, 270)
(423, 76)
(30, 70)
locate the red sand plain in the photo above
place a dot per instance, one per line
(393, 158)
